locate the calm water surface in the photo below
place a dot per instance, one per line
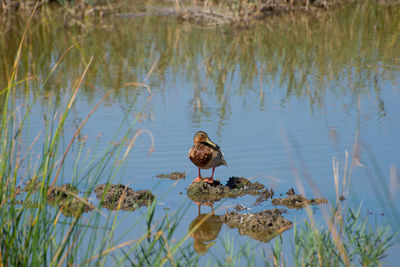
(282, 99)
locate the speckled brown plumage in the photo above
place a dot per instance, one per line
(201, 155)
(205, 154)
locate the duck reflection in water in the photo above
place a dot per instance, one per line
(207, 229)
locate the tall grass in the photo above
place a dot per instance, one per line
(32, 233)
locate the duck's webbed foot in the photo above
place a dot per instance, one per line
(198, 179)
(209, 180)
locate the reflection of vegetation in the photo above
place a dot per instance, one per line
(308, 56)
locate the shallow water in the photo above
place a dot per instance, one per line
(282, 99)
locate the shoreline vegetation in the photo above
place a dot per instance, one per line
(203, 13)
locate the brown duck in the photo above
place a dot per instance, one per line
(205, 154)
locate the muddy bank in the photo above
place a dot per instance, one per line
(262, 226)
(172, 175)
(66, 198)
(293, 201)
(244, 12)
(207, 193)
(120, 196)
(235, 13)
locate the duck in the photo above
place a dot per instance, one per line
(205, 154)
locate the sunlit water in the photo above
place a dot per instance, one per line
(282, 99)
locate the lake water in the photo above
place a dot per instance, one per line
(281, 99)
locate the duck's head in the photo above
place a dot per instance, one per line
(202, 137)
(202, 247)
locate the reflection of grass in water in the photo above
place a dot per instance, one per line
(307, 55)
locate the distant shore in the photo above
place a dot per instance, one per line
(205, 13)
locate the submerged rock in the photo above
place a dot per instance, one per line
(204, 192)
(120, 196)
(262, 226)
(172, 175)
(293, 201)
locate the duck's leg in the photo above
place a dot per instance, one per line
(210, 179)
(198, 178)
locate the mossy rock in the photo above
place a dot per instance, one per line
(293, 201)
(207, 193)
(119, 196)
(172, 175)
(61, 192)
(65, 197)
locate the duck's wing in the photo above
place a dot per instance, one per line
(218, 157)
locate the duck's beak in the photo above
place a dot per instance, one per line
(208, 141)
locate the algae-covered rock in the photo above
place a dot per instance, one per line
(172, 175)
(293, 201)
(238, 183)
(262, 226)
(61, 192)
(66, 198)
(204, 192)
(119, 196)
